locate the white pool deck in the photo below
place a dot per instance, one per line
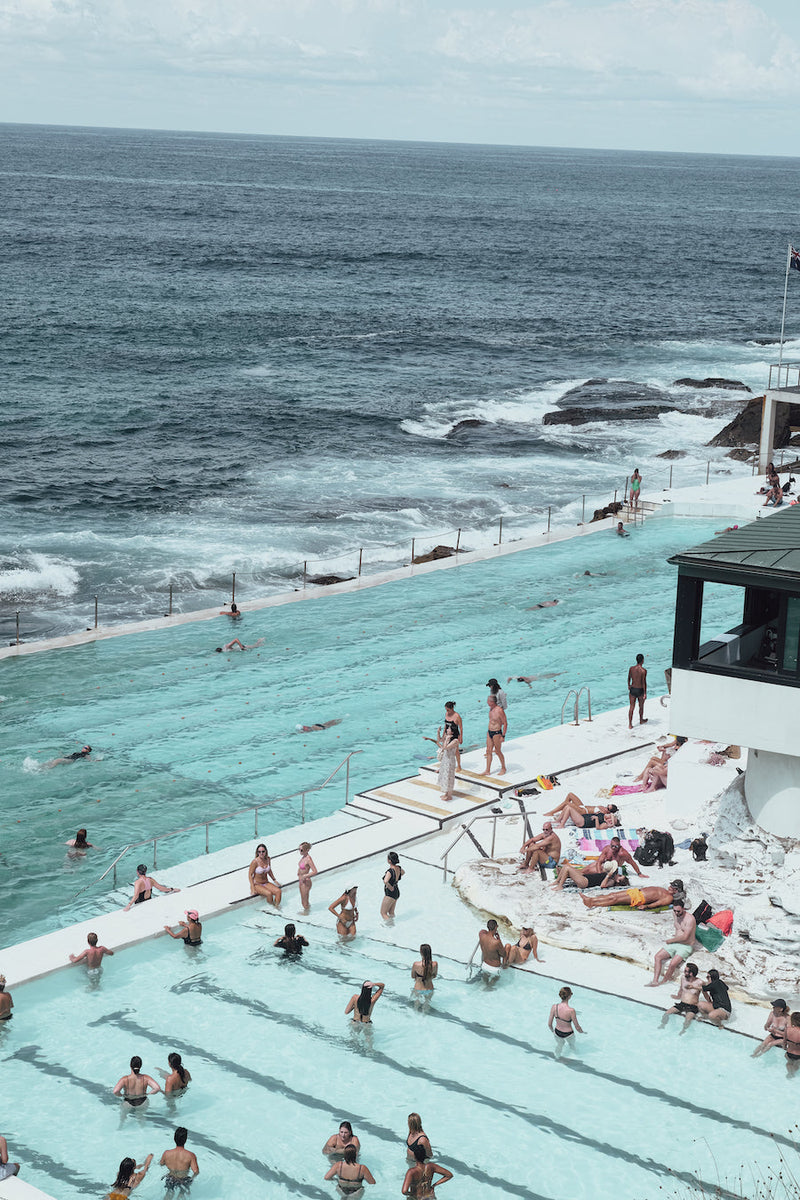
(409, 816)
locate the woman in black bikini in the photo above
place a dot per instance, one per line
(423, 972)
(190, 931)
(361, 1006)
(605, 816)
(417, 1137)
(178, 1078)
(391, 890)
(565, 1018)
(527, 945)
(350, 1175)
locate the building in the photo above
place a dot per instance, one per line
(741, 684)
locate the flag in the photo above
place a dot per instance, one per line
(794, 258)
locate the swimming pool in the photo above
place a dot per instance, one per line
(635, 1113)
(181, 733)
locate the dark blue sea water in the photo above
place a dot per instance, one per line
(231, 353)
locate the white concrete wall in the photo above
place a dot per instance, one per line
(772, 791)
(765, 716)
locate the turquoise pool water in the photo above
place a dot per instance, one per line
(181, 734)
(636, 1113)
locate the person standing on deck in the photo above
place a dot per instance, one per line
(637, 690)
(636, 487)
(453, 722)
(495, 736)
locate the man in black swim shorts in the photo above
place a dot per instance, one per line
(637, 690)
(688, 998)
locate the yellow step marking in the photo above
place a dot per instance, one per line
(404, 800)
(483, 778)
(461, 795)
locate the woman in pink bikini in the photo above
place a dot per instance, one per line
(305, 869)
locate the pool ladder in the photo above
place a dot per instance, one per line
(577, 695)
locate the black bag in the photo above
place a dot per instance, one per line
(702, 913)
(646, 854)
(657, 846)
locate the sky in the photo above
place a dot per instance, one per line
(719, 76)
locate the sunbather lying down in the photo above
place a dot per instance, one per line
(649, 897)
(585, 816)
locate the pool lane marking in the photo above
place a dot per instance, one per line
(508, 1039)
(122, 1021)
(259, 1009)
(34, 1056)
(35, 1160)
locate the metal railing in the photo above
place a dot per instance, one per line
(254, 808)
(577, 694)
(466, 831)
(780, 374)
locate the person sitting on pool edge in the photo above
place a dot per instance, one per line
(190, 931)
(687, 996)
(678, 949)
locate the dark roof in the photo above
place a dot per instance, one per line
(768, 547)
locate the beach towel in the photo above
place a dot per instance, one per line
(626, 789)
(709, 937)
(723, 920)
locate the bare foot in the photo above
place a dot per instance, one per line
(655, 983)
(644, 720)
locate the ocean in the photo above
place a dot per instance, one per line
(229, 353)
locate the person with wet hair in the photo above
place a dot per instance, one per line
(338, 1142)
(361, 1005)
(423, 972)
(291, 942)
(391, 885)
(179, 1162)
(134, 1088)
(350, 1175)
(129, 1176)
(93, 954)
(143, 887)
(563, 1020)
(419, 1178)
(79, 842)
(178, 1078)
(417, 1137)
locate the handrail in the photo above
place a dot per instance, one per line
(577, 694)
(571, 692)
(466, 832)
(253, 808)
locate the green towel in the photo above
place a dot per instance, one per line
(709, 937)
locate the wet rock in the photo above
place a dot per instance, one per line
(468, 423)
(582, 416)
(436, 553)
(671, 454)
(740, 455)
(745, 429)
(610, 510)
(327, 580)
(728, 385)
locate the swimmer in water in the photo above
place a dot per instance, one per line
(349, 1174)
(190, 931)
(237, 645)
(233, 611)
(543, 604)
(319, 726)
(93, 954)
(134, 1088)
(79, 842)
(529, 679)
(179, 1162)
(129, 1176)
(68, 758)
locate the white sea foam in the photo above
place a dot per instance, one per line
(31, 764)
(39, 574)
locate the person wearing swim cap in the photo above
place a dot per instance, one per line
(68, 758)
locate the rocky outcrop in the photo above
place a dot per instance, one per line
(327, 580)
(745, 429)
(728, 385)
(582, 416)
(435, 554)
(610, 510)
(467, 423)
(670, 454)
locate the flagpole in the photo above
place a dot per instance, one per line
(783, 317)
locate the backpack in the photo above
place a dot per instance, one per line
(657, 846)
(646, 853)
(703, 912)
